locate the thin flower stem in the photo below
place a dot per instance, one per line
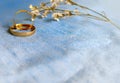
(94, 17)
(84, 7)
(106, 18)
(83, 14)
(64, 10)
(114, 24)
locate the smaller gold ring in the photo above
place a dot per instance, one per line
(22, 30)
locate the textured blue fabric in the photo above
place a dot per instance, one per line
(74, 50)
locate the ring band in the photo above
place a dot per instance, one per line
(22, 30)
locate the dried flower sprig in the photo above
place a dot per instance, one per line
(52, 7)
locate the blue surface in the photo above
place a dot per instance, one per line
(74, 50)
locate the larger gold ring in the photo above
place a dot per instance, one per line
(22, 30)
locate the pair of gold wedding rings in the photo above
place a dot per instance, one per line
(22, 30)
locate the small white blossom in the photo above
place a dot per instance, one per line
(57, 16)
(36, 12)
(77, 12)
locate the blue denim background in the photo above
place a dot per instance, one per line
(74, 50)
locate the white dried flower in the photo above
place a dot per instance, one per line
(57, 16)
(57, 1)
(67, 13)
(33, 7)
(69, 2)
(35, 12)
(46, 12)
(77, 12)
(30, 6)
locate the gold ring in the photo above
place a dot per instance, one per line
(22, 30)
